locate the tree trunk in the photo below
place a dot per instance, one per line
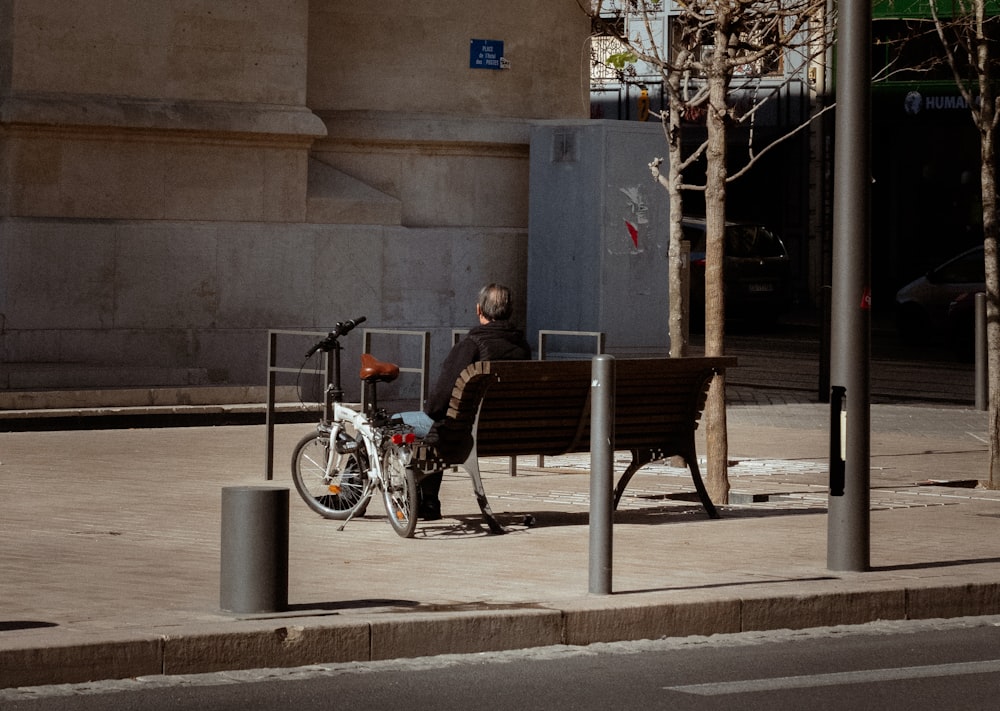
(717, 438)
(679, 301)
(987, 168)
(987, 176)
(985, 118)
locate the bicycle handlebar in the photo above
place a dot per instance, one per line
(342, 328)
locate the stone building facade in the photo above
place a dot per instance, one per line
(178, 177)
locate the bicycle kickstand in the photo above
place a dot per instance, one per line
(349, 517)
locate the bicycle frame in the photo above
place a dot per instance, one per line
(336, 413)
(367, 423)
(357, 445)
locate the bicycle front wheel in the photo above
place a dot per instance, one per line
(333, 484)
(399, 490)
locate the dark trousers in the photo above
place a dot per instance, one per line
(427, 490)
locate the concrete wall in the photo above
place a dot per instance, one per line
(408, 58)
(176, 178)
(190, 303)
(252, 51)
(410, 117)
(179, 110)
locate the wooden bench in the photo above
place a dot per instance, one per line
(511, 408)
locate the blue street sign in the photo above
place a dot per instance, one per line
(485, 54)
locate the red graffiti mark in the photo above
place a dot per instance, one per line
(633, 232)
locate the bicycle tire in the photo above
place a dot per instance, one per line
(339, 495)
(399, 490)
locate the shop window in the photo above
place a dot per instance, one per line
(607, 52)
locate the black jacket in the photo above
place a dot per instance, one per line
(496, 340)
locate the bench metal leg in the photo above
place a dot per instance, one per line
(471, 465)
(640, 458)
(425, 462)
(699, 485)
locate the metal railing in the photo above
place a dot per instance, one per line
(272, 381)
(425, 356)
(598, 336)
(273, 369)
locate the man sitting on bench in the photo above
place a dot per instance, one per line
(495, 338)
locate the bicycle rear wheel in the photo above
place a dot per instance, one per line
(399, 490)
(333, 484)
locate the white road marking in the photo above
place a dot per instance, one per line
(868, 676)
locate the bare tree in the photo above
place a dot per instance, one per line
(968, 34)
(717, 49)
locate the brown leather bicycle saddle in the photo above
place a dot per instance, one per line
(374, 370)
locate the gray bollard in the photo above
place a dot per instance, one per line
(602, 460)
(254, 566)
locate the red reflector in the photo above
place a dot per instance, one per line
(397, 439)
(410, 438)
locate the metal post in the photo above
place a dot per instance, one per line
(272, 381)
(602, 451)
(253, 574)
(682, 351)
(982, 382)
(848, 525)
(272, 375)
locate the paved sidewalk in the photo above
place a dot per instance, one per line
(111, 548)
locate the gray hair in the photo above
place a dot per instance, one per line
(495, 302)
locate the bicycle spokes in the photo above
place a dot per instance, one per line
(399, 489)
(334, 484)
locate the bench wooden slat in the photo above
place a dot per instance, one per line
(512, 408)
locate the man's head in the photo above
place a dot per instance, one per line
(494, 303)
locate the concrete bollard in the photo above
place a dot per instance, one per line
(602, 460)
(254, 551)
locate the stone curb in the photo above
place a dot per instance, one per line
(291, 642)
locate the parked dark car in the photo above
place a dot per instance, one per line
(757, 271)
(939, 304)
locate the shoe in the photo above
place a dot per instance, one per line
(429, 510)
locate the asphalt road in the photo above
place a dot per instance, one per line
(913, 665)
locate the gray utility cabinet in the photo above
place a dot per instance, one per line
(598, 233)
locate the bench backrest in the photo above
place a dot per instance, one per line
(543, 407)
